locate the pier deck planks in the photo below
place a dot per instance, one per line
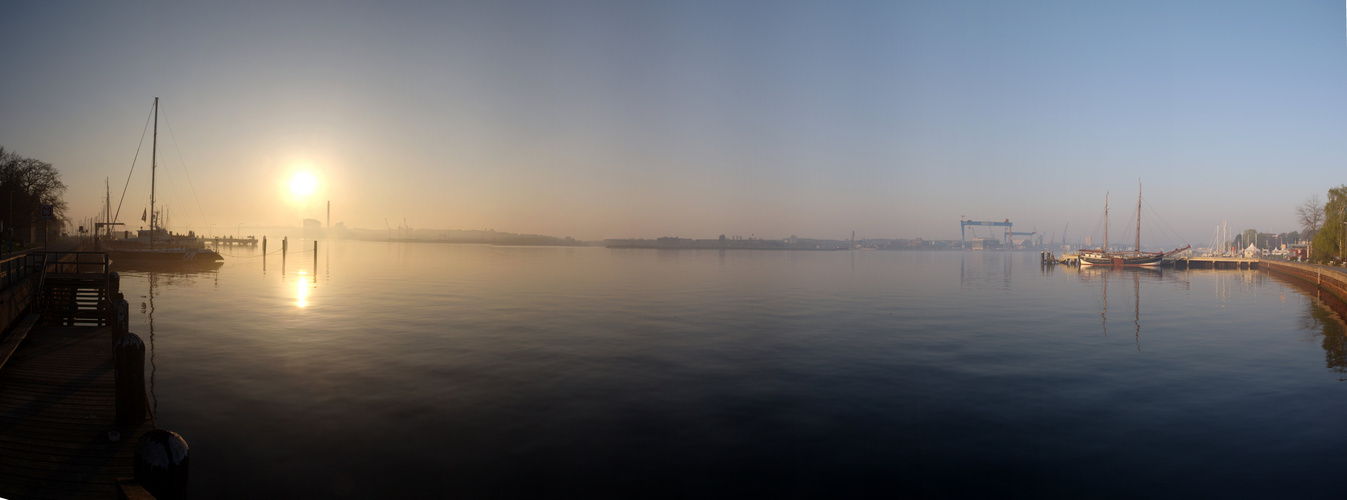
(56, 408)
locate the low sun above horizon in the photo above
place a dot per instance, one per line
(302, 184)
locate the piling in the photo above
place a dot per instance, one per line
(264, 246)
(315, 258)
(128, 361)
(161, 464)
(120, 311)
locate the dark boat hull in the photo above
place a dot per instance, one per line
(201, 256)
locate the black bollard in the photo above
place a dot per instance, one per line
(161, 464)
(121, 319)
(128, 360)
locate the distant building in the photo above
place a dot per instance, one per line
(1300, 251)
(312, 228)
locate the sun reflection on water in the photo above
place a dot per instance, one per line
(302, 296)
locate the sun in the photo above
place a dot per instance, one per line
(303, 184)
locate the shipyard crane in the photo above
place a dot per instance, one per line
(963, 225)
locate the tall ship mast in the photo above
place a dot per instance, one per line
(1134, 258)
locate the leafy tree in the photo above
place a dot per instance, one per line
(1329, 241)
(1250, 236)
(26, 183)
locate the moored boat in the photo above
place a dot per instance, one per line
(1131, 258)
(157, 245)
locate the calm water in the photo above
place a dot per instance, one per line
(413, 370)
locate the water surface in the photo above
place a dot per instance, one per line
(413, 370)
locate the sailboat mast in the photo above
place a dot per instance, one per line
(1105, 222)
(1138, 216)
(154, 148)
(107, 210)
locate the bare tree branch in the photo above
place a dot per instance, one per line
(1310, 215)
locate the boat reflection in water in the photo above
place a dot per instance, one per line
(1136, 275)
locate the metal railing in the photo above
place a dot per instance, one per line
(19, 268)
(77, 262)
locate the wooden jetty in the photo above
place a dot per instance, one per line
(1216, 263)
(68, 428)
(218, 241)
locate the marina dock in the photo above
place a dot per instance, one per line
(1216, 263)
(218, 241)
(73, 411)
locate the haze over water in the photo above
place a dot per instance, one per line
(438, 370)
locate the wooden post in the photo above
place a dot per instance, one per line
(161, 464)
(128, 360)
(264, 246)
(118, 310)
(315, 258)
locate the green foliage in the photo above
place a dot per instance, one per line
(1248, 236)
(1328, 243)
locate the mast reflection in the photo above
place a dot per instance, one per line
(1105, 274)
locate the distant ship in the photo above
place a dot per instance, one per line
(157, 245)
(1133, 258)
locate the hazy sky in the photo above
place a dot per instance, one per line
(645, 119)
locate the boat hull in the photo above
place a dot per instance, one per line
(1121, 260)
(168, 255)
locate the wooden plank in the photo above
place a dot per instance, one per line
(12, 340)
(128, 489)
(56, 407)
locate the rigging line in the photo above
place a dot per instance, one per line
(133, 164)
(1165, 222)
(184, 167)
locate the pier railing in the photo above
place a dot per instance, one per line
(77, 262)
(19, 268)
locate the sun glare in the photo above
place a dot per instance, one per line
(303, 184)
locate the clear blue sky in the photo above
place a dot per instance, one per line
(616, 119)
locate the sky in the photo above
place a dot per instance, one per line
(644, 119)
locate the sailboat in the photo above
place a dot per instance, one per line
(157, 245)
(1130, 258)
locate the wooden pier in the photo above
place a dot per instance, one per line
(65, 427)
(1216, 263)
(217, 241)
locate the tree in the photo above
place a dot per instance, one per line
(1250, 237)
(25, 184)
(1310, 215)
(1329, 242)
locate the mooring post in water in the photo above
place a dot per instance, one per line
(128, 361)
(119, 315)
(315, 258)
(161, 464)
(264, 246)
